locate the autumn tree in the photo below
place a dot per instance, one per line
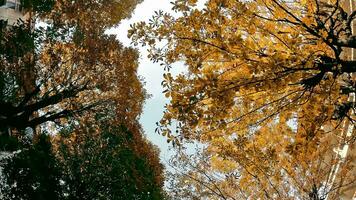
(191, 177)
(102, 161)
(58, 65)
(268, 85)
(67, 65)
(109, 162)
(31, 173)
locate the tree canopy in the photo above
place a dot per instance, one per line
(267, 89)
(70, 100)
(67, 65)
(268, 98)
(114, 163)
(103, 161)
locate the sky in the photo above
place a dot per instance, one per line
(152, 73)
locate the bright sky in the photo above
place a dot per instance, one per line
(152, 73)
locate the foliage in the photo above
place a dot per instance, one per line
(38, 6)
(92, 163)
(266, 91)
(67, 71)
(103, 163)
(32, 173)
(68, 65)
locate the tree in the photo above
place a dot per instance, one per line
(110, 162)
(32, 173)
(69, 65)
(267, 88)
(250, 173)
(190, 178)
(66, 70)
